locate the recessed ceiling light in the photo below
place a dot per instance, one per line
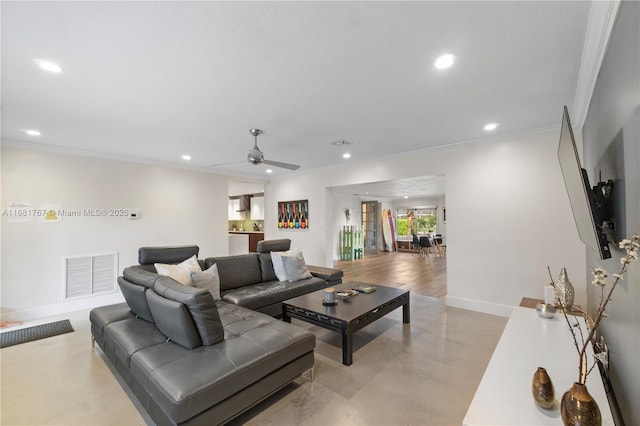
(48, 66)
(346, 155)
(406, 196)
(186, 157)
(269, 171)
(32, 132)
(491, 126)
(444, 61)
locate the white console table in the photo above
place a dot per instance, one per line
(528, 342)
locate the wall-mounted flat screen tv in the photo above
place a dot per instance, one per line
(581, 195)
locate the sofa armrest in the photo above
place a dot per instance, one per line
(330, 275)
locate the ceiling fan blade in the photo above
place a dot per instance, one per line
(225, 164)
(283, 165)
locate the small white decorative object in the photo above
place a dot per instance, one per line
(548, 294)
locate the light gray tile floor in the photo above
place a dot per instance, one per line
(423, 373)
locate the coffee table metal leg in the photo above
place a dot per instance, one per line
(347, 348)
(285, 317)
(406, 314)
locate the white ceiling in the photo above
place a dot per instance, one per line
(417, 188)
(155, 80)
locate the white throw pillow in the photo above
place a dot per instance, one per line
(295, 269)
(209, 280)
(278, 267)
(180, 272)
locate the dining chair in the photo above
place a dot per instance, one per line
(425, 246)
(415, 245)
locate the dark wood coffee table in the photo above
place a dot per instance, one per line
(348, 315)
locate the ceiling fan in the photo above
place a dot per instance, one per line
(256, 156)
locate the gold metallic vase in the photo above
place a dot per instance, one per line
(578, 408)
(542, 389)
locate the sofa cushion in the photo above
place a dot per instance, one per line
(264, 294)
(135, 296)
(208, 280)
(102, 316)
(237, 271)
(201, 306)
(180, 272)
(174, 320)
(167, 254)
(124, 338)
(255, 345)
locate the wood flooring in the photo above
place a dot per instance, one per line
(423, 276)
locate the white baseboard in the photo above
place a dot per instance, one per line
(479, 306)
(63, 307)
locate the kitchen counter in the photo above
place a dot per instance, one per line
(246, 232)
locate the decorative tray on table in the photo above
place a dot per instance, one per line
(343, 294)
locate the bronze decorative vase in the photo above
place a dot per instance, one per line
(542, 389)
(578, 408)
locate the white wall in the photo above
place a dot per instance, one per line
(177, 207)
(508, 216)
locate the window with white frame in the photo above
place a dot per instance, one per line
(419, 221)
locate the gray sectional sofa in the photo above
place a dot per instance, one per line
(191, 360)
(249, 280)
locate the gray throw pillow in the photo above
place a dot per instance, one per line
(209, 280)
(295, 268)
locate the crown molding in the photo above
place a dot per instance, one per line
(55, 149)
(602, 17)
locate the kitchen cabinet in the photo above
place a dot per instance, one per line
(254, 237)
(234, 206)
(257, 208)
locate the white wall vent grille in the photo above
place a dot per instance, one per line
(90, 275)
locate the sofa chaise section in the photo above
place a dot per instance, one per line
(206, 384)
(190, 360)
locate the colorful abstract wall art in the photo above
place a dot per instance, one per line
(293, 214)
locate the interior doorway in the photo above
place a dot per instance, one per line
(370, 226)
